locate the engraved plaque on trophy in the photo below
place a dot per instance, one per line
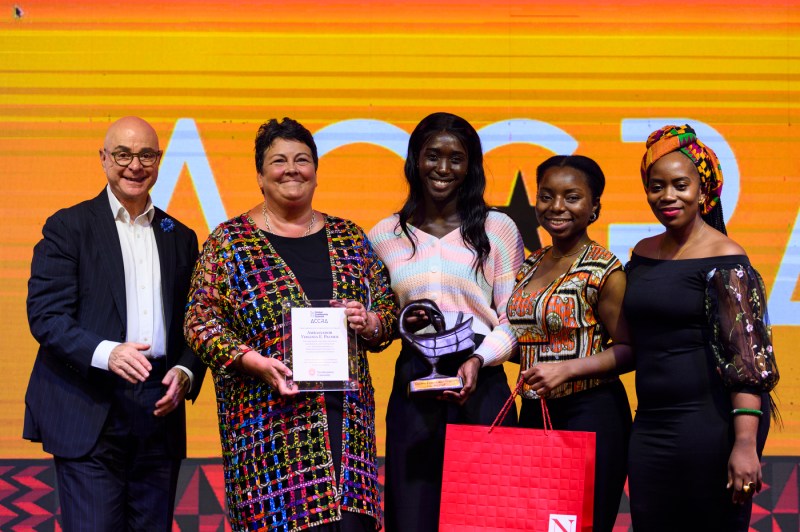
(454, 344)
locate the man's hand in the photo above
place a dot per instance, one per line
(177, 383)
(126, 361)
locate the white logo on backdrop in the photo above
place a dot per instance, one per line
(185, 148)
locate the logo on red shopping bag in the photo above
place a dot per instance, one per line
(562, 523)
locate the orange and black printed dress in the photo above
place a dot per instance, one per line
(561, 322)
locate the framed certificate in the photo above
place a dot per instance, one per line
(321, 350)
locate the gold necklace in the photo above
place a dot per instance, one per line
(558, 280)
(571, 253)
(680, 252)
(269, 229)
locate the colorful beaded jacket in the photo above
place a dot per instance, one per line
(276, 453)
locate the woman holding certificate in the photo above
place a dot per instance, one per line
(447, 246)
(292, 459)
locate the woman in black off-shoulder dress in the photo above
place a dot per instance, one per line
(704, 362)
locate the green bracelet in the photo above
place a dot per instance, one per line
(746, 412)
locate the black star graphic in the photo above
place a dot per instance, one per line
(524, 215)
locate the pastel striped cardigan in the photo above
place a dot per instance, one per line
(441, 270)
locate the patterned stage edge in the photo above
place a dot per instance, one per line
(29, 501)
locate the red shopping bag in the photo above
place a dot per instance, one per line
(503, 478)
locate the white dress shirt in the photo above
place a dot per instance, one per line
(143, 303)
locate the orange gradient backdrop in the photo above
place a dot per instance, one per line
(67, 71)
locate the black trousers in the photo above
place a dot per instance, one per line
(415, 432)
(128, 481)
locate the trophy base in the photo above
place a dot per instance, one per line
(434, 386)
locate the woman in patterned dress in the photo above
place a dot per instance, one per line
(566, 306)
(292, 460)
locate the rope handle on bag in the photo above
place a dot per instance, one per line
(548, 425)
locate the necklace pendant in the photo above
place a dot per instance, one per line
(571, 253)
(269, 228)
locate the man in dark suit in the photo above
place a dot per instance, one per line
(106, 299)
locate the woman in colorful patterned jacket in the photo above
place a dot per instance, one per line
(566, 306)
(293, 460)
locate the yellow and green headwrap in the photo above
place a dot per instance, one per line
(683, 138)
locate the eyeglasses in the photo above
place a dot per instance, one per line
(146, 158)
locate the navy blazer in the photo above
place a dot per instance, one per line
(76, 299)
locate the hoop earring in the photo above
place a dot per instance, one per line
(593, 217)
